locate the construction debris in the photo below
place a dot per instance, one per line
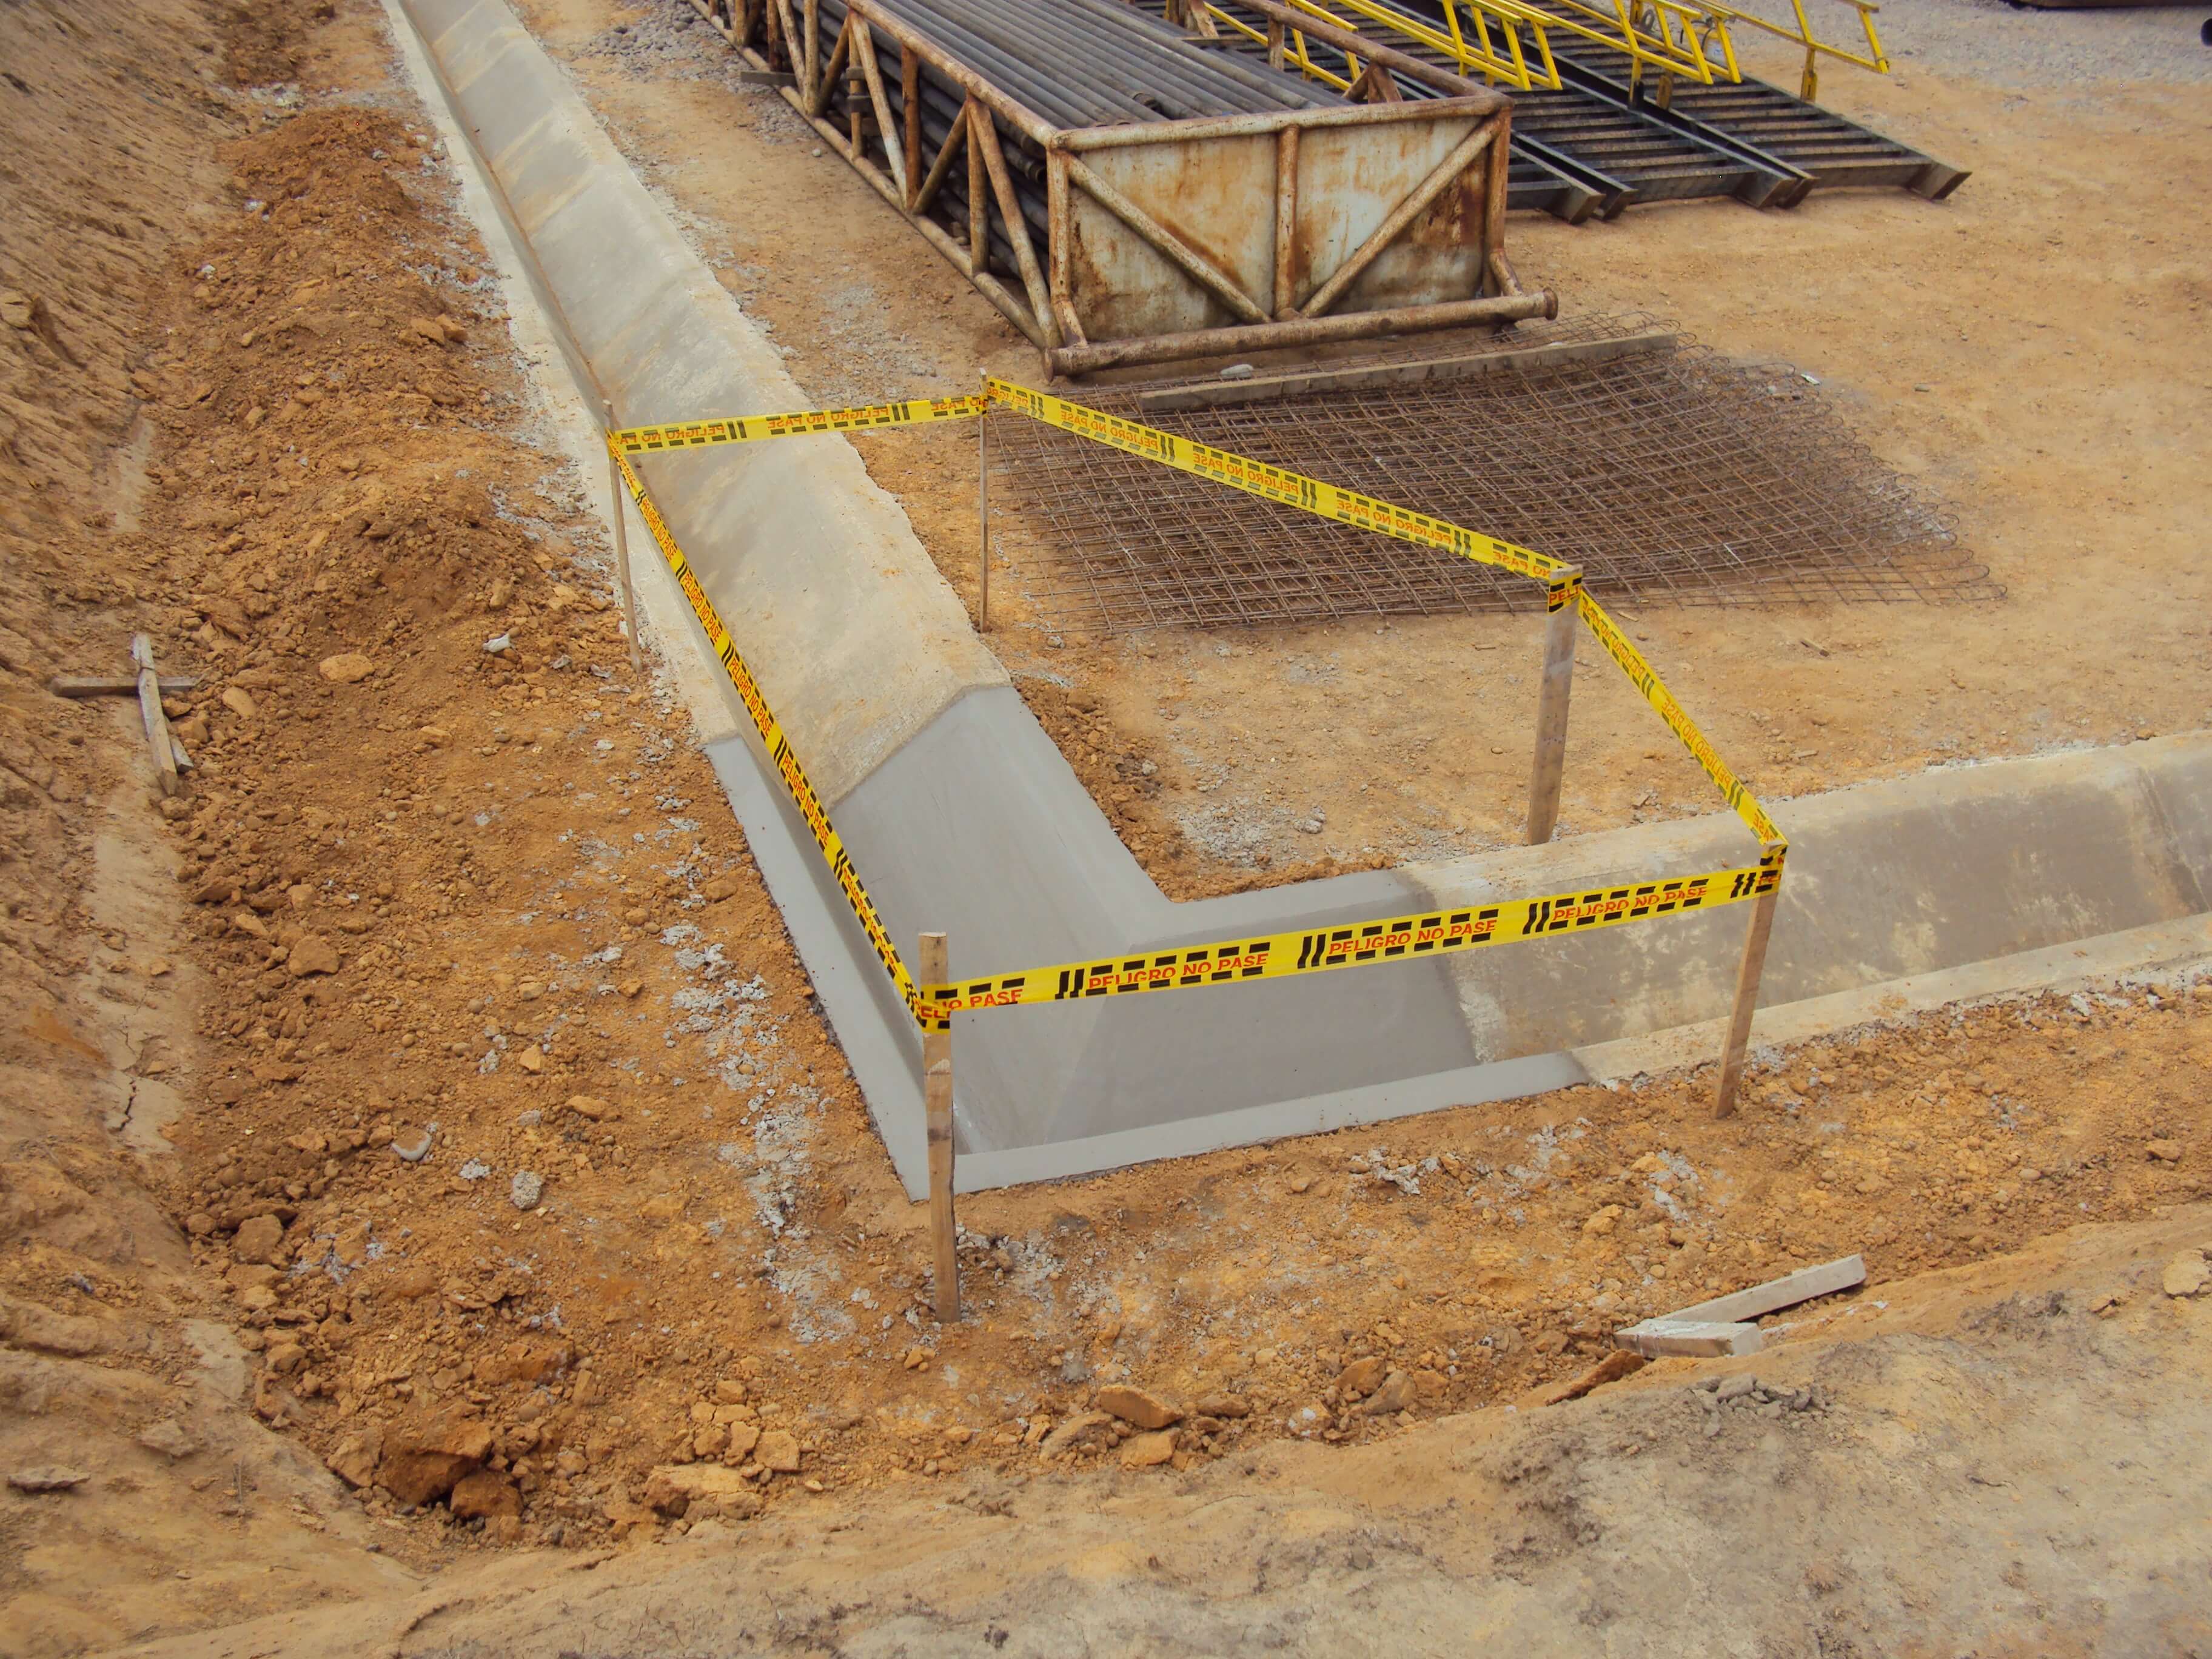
(1723, 1325)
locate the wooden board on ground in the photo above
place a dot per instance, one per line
(1723, 1325)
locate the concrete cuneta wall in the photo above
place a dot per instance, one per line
(962, 816)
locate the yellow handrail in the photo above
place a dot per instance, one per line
(1671, 37)
(1509, 61)
(1875, 59)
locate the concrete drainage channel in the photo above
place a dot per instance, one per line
(963, 817)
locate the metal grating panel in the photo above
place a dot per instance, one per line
(1678, 478)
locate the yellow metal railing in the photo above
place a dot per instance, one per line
(1509, 41)
(1666, 36)
(1873, 59)
(1506, 43)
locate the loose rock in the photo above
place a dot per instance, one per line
(483, 1494)
(2185, 1274)
(525, 1189)
(1395, 1395)
(314, 954)
(1081, 1429)
(778, 1451)
(347, 668)
(1136, 1406)
(1362, 1376)
(47, 1478)
(1145, 1451)
(256, 1239)
(425, 1457)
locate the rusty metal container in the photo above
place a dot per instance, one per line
(1124, 193)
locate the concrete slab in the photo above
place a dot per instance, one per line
(962, 816)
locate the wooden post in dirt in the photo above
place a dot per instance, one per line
(622, 543)
(983, 510)
(1559, 681)
(936, 1100)
(1746, 1000)
(157, 722)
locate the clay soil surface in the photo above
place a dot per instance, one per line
(417, 1140)
(2032, 354)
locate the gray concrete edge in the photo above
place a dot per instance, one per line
(2161, 951)
(1343, 1109)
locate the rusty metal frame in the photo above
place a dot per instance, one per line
(788, 35)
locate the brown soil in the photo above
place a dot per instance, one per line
(497, 899)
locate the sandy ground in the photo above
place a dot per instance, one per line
(2032, 353)
(649, 1278)
(1647, 1520)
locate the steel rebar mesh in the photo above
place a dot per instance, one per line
(1677, 477)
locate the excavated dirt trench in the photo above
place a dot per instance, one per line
(500, 894)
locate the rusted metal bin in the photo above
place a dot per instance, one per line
(1125, 194)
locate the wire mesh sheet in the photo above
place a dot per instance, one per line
(1670, 477)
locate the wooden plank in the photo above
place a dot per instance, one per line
(149, 708)
(1413, 372)
(1687, 1339)
(1787, 1292)
(118, 685)
(1733, 1052)
(937, 1102)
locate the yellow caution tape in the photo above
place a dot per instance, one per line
(1646, 680)
(1398, 938)
(751, 429)
(1275, 483)
(1230, 961)
(772, 733)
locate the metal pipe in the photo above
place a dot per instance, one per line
(1268, 336)
(1024, 120)
(1289, 91)
(1268, 122)
(956, 37)
(985, 284)
(1374, 52)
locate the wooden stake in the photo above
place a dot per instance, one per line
(1747, 1001)
(983, 513)
(937, 1098)
(1551, 761)
(118, 685)
(157, 723)
(621, 546)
